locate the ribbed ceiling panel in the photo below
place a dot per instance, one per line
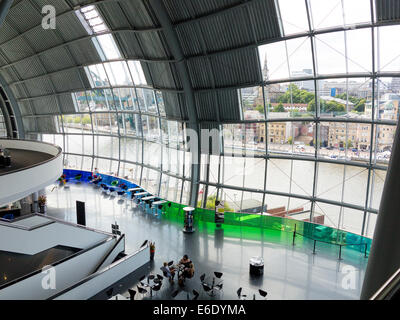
(129, 44)
(66, 104)
(41, 40)
(199, 76)
(215, 46)
(56, 59)
(220, 33)
(238, 67)
(67, 80)
(228, 103)
(24, 16)
(264, 19)
(9, 74)
(172, 104)
(179, 10)
(39, 86)
(60, 6)
(206, 105)
(70, 28)
(137, 14)
(113, 14)
(16, 49)
(45, 105)
(84, 52)
(387, 10)
(153, 45)
(190, 45)
(29, 68)
(7, 32)
(162, 75)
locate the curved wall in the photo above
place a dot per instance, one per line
(15, 185)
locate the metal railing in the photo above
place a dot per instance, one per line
(389, 289)
(59, 153)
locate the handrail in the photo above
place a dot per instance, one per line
(9, 223)
(389, 288)
(96, 274)
(74, 224)
(28, 275)
(17, 226)
(109, 252)
(35, 164)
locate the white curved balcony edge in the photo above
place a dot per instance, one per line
(17, 184)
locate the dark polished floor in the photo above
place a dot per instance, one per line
(24, 158)
(14, 265)
(291, 272)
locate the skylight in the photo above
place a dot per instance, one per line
(94, 24)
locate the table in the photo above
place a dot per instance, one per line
(140, 194)
(135, 189)
(148, 198)
(157, 203)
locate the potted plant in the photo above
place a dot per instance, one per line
(152, 250)
(42, 203)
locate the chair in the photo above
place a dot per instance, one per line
(157, 287)
(132, 294)
(144, 243)
(142, 291)
(206, 287)
(2, 161)
(175, 293)
(262, 293)
(160, 277)
(196, 295)
(202, 277)
(240, 295)
(78, 178)
(7, 161)
(109, 292)
(150, 277)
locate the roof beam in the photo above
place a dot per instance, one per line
(181, 65)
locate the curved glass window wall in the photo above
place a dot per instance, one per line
(314, 140)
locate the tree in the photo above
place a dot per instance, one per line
(360, 106)
(326, 106)
(279, 108)
(294, 95)
(260, 108)
(290, 140)
(77, 120)
(86, 120)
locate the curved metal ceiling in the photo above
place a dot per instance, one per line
(218, 40)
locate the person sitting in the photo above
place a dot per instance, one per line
(188, 269)
(96, 176)
(168, 272)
